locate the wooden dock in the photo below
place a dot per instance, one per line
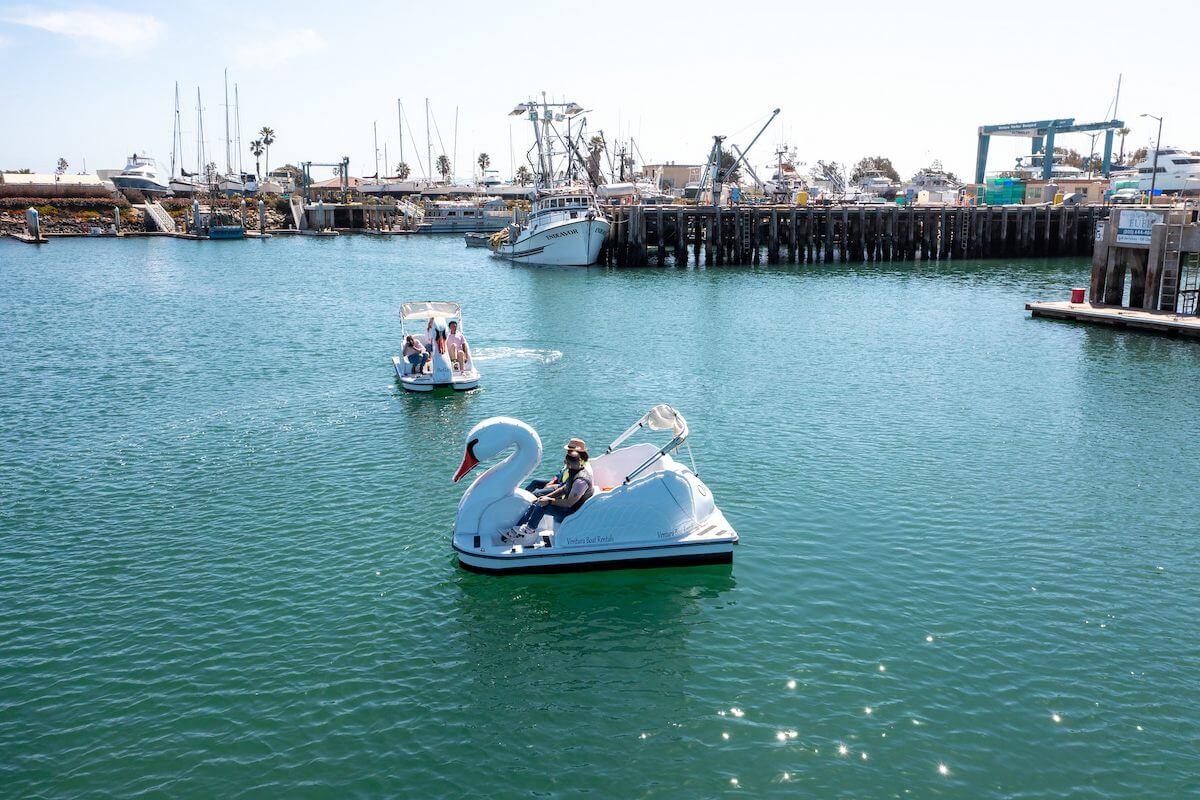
(645, 235)
(1156, 321)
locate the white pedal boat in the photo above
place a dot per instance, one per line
(649, 510)
(415, 319)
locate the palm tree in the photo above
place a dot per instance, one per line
(256, 148)
(484, 161)
(443, 167)
(402, 171)
(1123, 132)
(267, 135)
(523, 175)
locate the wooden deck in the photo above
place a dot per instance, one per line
(1155, 321)
(644, 235)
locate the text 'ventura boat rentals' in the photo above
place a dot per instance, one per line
(433, 334)
(648, 509)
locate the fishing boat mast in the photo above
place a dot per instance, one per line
(543, 115)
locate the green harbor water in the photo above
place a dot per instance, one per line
(969, 562)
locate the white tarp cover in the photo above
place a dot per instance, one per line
(425, 309)
(663, 417)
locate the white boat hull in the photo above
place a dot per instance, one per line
(711, 543)
(143, 185)
(570, 243)
(460, 382)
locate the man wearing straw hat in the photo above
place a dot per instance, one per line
(540, 488)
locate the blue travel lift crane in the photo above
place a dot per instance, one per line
(1042, 132)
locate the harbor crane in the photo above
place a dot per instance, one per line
(1042, 133)
(343, 171)
(714, 175)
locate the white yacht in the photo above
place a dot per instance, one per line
(875, 183)
(933, 179)
(486, 215)
(566, 226)
(1032, 167)
(1177, 171)
(142, 173)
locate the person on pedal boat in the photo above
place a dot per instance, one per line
(560, 503)
(543, 487)
(456, 345)
(415, 354)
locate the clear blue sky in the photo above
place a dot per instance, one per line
(911, 81)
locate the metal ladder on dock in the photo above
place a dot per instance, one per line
(1188, 293)
(1169, 293)
(162, 220)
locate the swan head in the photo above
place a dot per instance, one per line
(437, 330)
(492, 437)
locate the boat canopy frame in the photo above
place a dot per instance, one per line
(424, 310)
(661, 417)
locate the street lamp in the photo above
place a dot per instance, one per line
(1154, 166)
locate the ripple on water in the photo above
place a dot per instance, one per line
(225, 568)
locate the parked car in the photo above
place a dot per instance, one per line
(1126, 196)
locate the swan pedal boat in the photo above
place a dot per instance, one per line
(649, 510)
(442, 374)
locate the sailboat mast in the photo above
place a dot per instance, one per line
(199, 136)
(228, 155)
(237, 116)
(454, 163)
(428, 143)
(400, 123)
(375, 129)
(176, 135)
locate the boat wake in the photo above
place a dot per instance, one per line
(517, 353)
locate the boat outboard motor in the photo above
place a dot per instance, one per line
(442, 371)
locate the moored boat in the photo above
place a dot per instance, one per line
(141, 172)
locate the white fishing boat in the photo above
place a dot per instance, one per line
(648, 509)
(141, 172)
(566, 226)
(429, 322)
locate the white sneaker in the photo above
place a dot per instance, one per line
(515, 534)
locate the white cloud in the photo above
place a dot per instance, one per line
(284, 46)
(117, 30)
